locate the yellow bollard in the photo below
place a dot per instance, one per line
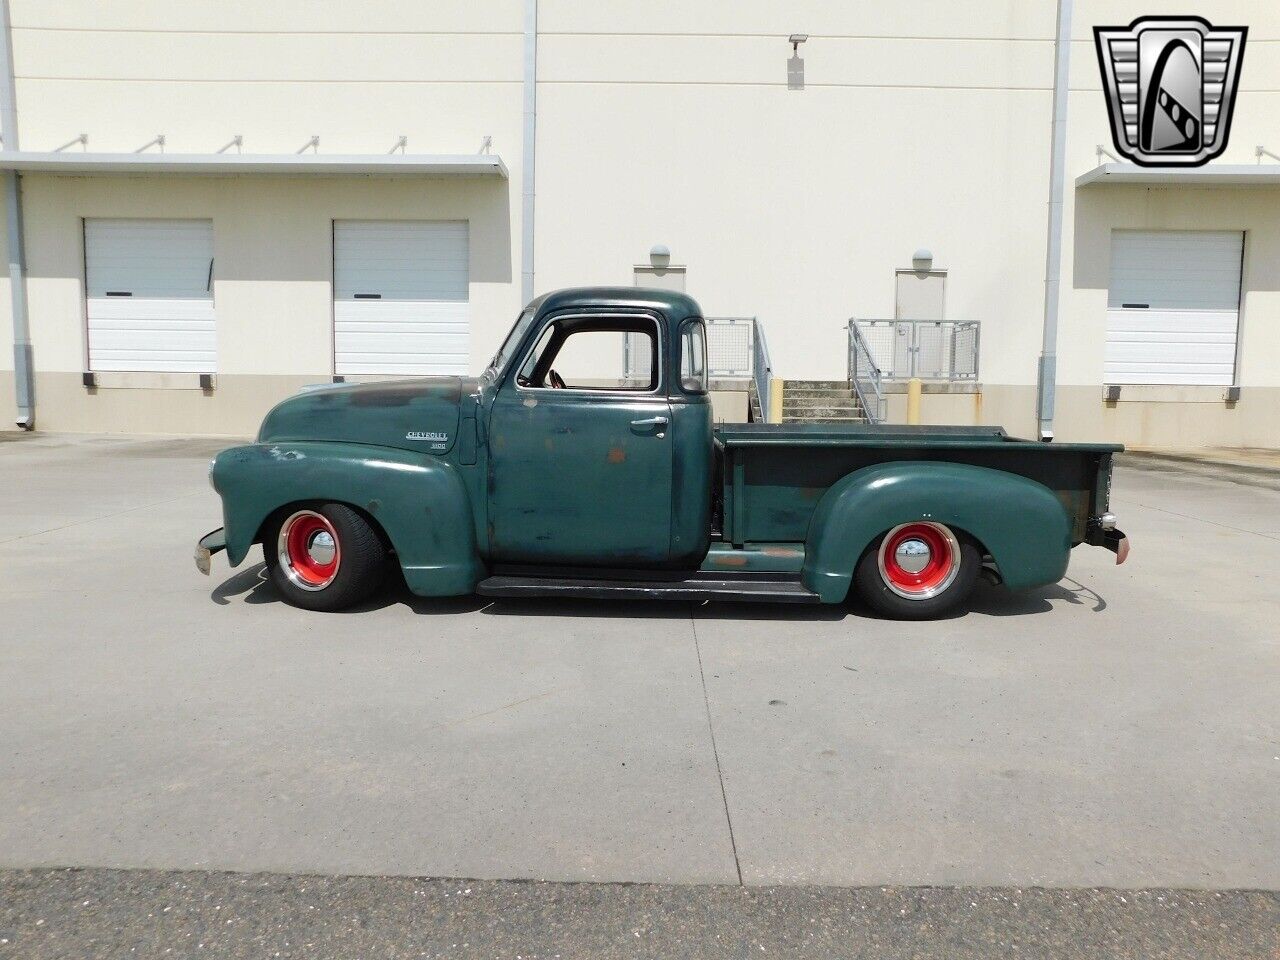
(774, 413)
(913, 400)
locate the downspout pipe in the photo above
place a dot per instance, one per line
(23, 377)
(1047, 375)
(530, 149)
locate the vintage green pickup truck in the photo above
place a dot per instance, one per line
(545, 477)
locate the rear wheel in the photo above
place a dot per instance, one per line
(918, 571)
(325, 557)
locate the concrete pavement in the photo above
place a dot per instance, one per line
(1119, 729)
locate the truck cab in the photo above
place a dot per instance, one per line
(599, 435)
(584, 462)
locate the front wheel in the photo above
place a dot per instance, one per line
(918, 571)
(325, 557)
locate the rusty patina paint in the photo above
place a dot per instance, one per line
(780, 551)
(419, 415)
(616, 455)
(729, 560)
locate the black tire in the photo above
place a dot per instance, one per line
(875, 588)
(360, 558)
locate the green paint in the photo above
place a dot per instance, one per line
(1019, 522)
(464, 473)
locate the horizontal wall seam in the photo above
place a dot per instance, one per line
(166, 31)
(169, 31)
(279, 80)
(809, 85)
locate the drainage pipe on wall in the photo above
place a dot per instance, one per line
(530, 148)
(1047, 378)
(24, 385)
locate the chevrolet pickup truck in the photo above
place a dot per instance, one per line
(541, 477)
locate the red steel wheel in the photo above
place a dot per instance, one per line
(308, 550)
(920, 560)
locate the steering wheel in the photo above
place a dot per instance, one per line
(557, 381)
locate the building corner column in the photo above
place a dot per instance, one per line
(23, 368)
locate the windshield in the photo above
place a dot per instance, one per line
(503, 356)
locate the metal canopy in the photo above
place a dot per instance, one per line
(1227, 175)
(423, 165)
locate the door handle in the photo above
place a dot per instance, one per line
(660, 423)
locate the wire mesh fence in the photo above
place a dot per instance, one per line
(730, 346)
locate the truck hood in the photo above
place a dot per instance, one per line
(420, 414)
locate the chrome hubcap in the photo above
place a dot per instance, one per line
(913, 555)
(919, 560)
(322, 548)
(308, 551)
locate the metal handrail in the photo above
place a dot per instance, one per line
(761, 368)
(928, 349)
(864, 376)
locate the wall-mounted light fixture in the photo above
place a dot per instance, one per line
(922, 260)
(660, 255)
(795, 65)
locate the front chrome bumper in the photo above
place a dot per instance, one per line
(215, 541)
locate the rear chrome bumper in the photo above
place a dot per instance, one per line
(215, 541)
(1103, 533)
(1115, 541)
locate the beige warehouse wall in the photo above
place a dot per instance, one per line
(357, 75)
(797, 206)
(199, 71)
(272, 284)
(1181, 421)
(921, 124)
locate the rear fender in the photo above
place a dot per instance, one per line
(1020, 522)
(419, 501)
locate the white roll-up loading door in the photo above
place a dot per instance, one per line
(1173, 308)
(149, 292)
(400, 291)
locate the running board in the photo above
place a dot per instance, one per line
(693, 587)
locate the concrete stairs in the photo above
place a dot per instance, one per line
(755, 412)
(820, 401)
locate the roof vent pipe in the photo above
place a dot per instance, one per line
(530, 149)
(1047, 375)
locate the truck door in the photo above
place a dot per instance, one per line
(580, 447)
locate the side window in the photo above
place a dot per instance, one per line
(609, 354)
(693, 357)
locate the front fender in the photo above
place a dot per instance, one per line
(1020, 522)
(420, 502)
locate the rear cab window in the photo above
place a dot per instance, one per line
(693, 357)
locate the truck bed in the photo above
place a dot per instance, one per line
(773, 475)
